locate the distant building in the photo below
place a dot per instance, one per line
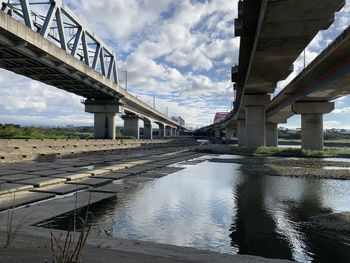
(220, 116)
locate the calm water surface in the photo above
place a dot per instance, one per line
(215, 206)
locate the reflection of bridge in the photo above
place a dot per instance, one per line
(273, 34)
(59, 50)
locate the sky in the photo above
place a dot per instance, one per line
(178, 51)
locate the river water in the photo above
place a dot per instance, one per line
(215, 206)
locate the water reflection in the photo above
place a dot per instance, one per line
(217, 206)
(192, 208)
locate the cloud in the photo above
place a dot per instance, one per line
(180, 51)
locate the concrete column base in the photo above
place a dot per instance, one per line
(272, 134)
(131, 126)
(241, 133)
(312, 123)
(104, 117)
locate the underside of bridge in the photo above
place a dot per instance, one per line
(27, 52)
(273, 34)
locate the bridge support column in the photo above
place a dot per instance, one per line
(241, 133)
(312, 123)
(148, 131)
(255, 119)
(104, 117)
(131, 126)
(229, 134)
(272, 134)
(161, 130)
(173, 132)
(217, 133)
(167, 131)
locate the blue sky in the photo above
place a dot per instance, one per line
(179, 51)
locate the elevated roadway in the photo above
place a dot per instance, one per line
(273, 34)
(61, 51)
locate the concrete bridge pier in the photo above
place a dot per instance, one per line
(131, 126)
(104, 117)
(168, 131)
(312, 122)
(173, 131)
(229, 133)
(241, 133)
(147, 129)
(217, 133)
(255, 119)
(272, 134)
(161, 130)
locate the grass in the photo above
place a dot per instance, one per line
(11, 131)
(275, 151)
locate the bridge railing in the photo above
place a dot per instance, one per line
(55, 21)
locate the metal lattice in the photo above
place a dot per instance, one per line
(56, 22)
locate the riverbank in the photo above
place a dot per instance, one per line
(274, 151)
(292, 167)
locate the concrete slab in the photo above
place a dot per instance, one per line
(72, 176)
(8, 188)
(71, 169)
(60, 189)
(29, 168)
(17, 177)
(40, 212)
(95, 172)
(46, 172)
(134, 170)
(95, 182)
(42, 181)
(22, 198)
(9, 171)
(110, 188)
(113, 176)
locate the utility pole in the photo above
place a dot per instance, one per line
(167, 111)
(154, 102)
(126, 79)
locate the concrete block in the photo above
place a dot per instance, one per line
(42, 181)
(113, 176)
(7, 188)
(95, 181)
(46, 172)
(17, 177)
(23, 198)
(9, 171)
(60, 189)
(110, 188)
(72, 176)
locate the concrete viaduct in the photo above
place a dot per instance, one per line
(273, 34)
(58, 49)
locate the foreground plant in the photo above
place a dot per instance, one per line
(12, 228)
(67, 250)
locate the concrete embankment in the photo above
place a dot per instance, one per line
(64, 184)
(17, 150)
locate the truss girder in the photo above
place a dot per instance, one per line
(56, 23)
